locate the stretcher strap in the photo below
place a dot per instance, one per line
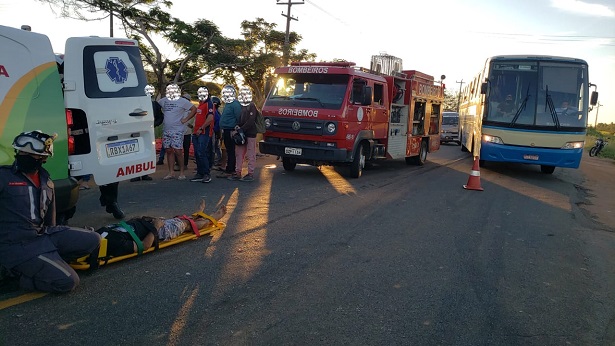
(205, 216)
(132, 233)
(195, 229)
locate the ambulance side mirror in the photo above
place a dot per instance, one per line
(367, 98)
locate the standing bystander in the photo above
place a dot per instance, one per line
(174, 108)
(228, 121)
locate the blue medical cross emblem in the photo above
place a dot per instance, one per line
(116, 70)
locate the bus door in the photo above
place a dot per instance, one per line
(113, 123)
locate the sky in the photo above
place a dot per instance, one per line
(437, 37)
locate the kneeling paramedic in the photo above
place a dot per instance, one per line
(32, 246)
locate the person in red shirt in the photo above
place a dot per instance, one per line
(201, 136)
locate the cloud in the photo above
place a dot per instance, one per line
(581, 7)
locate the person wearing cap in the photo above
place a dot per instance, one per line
(32, 246)
(228, 120)
(175, 108)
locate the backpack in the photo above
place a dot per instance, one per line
(260, 123)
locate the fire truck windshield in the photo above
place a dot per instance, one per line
(320, 91)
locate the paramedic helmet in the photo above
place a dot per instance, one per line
(228, 94)
(202, 93)
(215, 100)
(245, 96)
(173, 92)
(150, 90)
(35, 142)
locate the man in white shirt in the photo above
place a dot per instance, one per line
(176, 111)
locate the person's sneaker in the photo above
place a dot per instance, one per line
(233, 176)
(206, 178)
(168, 177)
(197, 177)
(247, 177)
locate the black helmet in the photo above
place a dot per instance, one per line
(239, 138)
(215, 100)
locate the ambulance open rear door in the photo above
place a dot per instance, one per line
(113, 123)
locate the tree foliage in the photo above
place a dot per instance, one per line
(200, 47)
(257, 55)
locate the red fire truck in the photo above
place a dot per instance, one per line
(333, 113)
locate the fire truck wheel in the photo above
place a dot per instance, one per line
(288, 164)
(357, 165)
(420, 159)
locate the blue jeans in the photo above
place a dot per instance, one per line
(201, 143)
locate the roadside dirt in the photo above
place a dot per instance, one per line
(599, 184)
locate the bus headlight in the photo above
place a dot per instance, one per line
(574, 145)
(330, 128)
(492, 139)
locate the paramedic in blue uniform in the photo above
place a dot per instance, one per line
(32, 246)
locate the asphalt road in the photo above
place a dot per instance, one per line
(402, 256)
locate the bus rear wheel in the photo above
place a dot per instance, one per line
(547, 169)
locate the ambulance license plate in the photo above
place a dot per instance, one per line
(530, 157)
(292, 151)
(122, 148)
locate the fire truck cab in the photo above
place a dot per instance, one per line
(334, 113)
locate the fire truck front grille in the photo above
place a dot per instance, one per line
(300, 126)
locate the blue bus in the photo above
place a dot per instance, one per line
(527, 109)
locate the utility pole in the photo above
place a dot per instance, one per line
(286, 52)
(110, 24)
(459, 96)
(597, 110)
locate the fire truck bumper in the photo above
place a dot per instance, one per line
(303, 153)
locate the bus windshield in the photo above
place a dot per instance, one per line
(310, 91)
(537, 94)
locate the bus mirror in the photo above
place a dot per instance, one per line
(367, 96)
(594, 99)
(483, 88)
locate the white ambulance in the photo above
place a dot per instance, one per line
(92, 96)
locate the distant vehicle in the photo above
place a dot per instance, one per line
(527, 109)
(450, 128)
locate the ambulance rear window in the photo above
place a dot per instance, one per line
(113, 71)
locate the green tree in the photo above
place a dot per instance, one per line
(257, 56)
(451, 100)
(198, 45)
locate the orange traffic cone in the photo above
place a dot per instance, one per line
(474, 179)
